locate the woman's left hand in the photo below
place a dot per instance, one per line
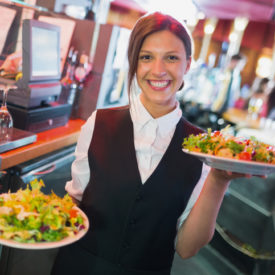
(229, 175)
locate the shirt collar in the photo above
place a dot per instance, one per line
(169, 121)
(140, 117)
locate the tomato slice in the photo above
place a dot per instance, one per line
(73, 213)
(217, 133)
(245, 156)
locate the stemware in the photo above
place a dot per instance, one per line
(6, 121)
(254, 107)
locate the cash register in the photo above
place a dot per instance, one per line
(34, 104)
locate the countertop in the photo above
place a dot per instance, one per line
(47, 141)
(241, 118)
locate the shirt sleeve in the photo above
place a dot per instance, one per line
(80, 170)
(195, 195)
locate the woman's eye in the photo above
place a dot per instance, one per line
(145, 57)
(172, 58)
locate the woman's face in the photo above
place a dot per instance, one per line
(161, 65)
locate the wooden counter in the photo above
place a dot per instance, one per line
(47, 141)
(241, 118)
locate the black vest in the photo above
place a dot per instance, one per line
(133, 225)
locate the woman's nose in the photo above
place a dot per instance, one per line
(158, 68)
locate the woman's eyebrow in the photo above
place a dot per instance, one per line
(168, 52)
(145, 51)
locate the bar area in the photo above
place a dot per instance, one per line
(61, 60)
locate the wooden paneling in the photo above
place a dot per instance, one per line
(89, 95)
(248, 72)
(214, 48)
(197, 47)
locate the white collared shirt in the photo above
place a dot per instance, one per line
(151, 139)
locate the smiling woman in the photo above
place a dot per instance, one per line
(129, 161)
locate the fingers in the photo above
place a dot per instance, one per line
(248, 176)
(233, 175)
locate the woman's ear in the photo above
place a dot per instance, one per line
(189, 60)
(181, 86)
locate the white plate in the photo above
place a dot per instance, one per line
(47, 245)
(234, 165)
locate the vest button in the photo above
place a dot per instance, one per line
(126, 245)
(133, 222)
(138, 198)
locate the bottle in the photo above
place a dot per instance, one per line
(68, 79)
(68, 82)
(82, 68)
(80, 73)
(68, 62)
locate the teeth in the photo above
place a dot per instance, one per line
(159, 84)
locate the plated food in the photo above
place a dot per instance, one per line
(224, 151)
(31, 217)
(218, 143)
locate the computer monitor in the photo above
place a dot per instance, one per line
(40, 51)
(67, 27)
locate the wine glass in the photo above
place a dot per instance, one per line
(6, 121)
(254, 107)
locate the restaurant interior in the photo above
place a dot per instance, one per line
(47, 105)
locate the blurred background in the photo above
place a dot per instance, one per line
(231, 82)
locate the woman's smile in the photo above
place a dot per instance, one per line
(159, 85)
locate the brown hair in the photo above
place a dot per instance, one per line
(147, 25)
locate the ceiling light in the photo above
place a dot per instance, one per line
(240, 23)
(184, 11)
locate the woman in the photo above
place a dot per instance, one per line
(259, 98)
(130, 175)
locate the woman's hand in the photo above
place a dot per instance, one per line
(75, 201)
(226, 176)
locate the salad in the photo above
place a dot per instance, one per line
(29, 216)
(220, 143)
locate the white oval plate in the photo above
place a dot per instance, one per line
(47, 245)
(234, 165)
